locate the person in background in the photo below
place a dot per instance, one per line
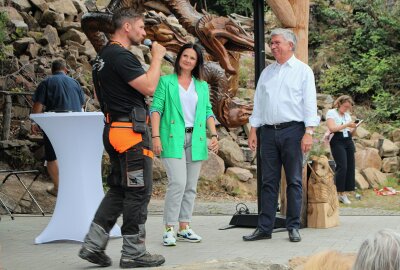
(339, 122)
(121, 86)
(57, 93)
(380, 251)
(285, 113)
(180, 113)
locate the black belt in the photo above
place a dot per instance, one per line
(120, 119)
(283, 125)
(189, 129)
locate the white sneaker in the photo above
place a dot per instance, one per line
(344, 199)
(188, 235)
(168, 237)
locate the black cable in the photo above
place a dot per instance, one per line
(241, 209)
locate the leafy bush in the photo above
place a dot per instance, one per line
(3, 33)
(359, 42)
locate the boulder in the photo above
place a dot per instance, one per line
(73, 35)
(33, 50)
(362, 133)
(239, 173)
(324, 101)
(80, 6)
(397, 144)
(388, 149)
(376, 136)
(212, 168)
(238, 188)
(248, 154)
(20, 27)
(158, 169)
(361, 183)
(50, 36)
(32, 23)
(369, 143)
(374, 177)
(20, 45)
(40, 4)
(395, 135)
(391, 164)
(21, 5)
(50, 17)
(12, 13)
(63, 7)
(368, 158)
(66, 26)
(89, 50)
(230, 152)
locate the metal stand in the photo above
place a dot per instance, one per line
(16, 174)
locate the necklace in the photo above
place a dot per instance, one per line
(113, 42)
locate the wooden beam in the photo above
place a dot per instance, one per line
(284, 12)
(301, 9)
(5, 135)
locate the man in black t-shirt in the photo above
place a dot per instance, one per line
(57, 93)
(121, 85)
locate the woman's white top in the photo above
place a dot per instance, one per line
(189, 102)
(339, 120)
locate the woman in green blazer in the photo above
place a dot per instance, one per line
(180, 113)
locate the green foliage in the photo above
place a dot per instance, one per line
(3, 33)
(359, 41)
(226, 7)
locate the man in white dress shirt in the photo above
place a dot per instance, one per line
(285, 111)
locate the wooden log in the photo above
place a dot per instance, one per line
(5, 134)
(284, 12)
(301, 9)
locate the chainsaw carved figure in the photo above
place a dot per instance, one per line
(221, 38)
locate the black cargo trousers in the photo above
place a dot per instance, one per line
(130, 201)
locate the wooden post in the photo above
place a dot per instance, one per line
(294, 14)
(5, 135)
(301, 9)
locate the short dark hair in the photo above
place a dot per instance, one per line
(198, 71)
(122, 14)
(58, 65)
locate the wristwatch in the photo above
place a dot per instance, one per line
(310, 131)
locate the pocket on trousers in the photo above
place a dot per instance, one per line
(134, 163)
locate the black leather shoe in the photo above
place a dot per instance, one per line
(258, 234)
(294, 235)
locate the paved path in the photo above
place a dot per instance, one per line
(17, 251)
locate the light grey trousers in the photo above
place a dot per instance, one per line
(183, 175)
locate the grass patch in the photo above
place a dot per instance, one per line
(369, 199)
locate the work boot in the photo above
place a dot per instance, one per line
(146, 260)
(134, 252)
(94, 245)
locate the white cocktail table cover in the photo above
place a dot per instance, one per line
(77, 141)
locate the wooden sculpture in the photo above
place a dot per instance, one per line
(323, 205)
(221, 37)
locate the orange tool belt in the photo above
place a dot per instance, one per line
(122, 137)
